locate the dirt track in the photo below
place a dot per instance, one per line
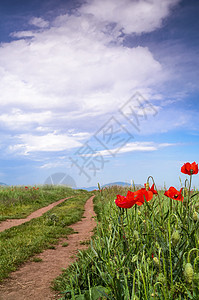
(32, 281)
(36, 214)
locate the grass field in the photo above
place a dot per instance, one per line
(19, 202)
(19, 243)
(144, 252)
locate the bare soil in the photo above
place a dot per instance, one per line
(36, 214)
(33, 280)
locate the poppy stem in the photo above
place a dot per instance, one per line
(189, 194)
(127, 217)
(170, 255)
(160, 203)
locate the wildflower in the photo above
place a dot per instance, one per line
(26, 188)
(174, 194)
(124, 202)
(151, 189)
(142, 195)
(156, 262)
(190, 168)
(132, 198)
(188, 273)
(175, 237)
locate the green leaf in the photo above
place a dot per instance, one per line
(94, 293)
(192, 196)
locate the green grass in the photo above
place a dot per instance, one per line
(19, 202)
(147, 252)
(19, 243)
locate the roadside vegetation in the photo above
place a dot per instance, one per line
(146, 246)
(19, 201)
(19, 243)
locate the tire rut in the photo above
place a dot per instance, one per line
(32, 281)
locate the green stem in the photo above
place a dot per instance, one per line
(170, 258)
(188, 205)
(189, 193)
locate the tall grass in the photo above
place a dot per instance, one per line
(146, 252)
(20, 201)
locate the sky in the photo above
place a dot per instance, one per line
(99, 91)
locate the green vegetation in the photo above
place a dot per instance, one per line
(19, 243)
(19, 202)
(144, 252)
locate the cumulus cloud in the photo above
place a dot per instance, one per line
(76, 67)
(73, 65)
(130, 16)
(39, 22)
(28, 143)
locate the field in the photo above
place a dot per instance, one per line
(19, 202)
(148, 251)
(145, 245)
(18, 244)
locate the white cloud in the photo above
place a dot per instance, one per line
(39, 22)
(17, 119)
(130, 16)
(75, 73)
(53, 165)
(74, 69)
(132, 147)
(28, 143)
(71, 65)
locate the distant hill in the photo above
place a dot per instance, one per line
(89, 189)
(121, 183)
(1, 183)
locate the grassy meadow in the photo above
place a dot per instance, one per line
(19, 201)
(145, 252)
(19, 243)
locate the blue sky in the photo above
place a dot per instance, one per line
(102, 91)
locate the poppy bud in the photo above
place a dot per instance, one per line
(161, 278)
(147, 186)
(186, 191)
(188, 273)
(195, 216)
(175, 237)
(136, 235)
(156, 262)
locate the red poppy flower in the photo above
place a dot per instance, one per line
(124, 202)
(139, 196)
(174, 194)
(142, 195)
(132, 198)
(26, 187)
(190, 168)
(151, 189)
